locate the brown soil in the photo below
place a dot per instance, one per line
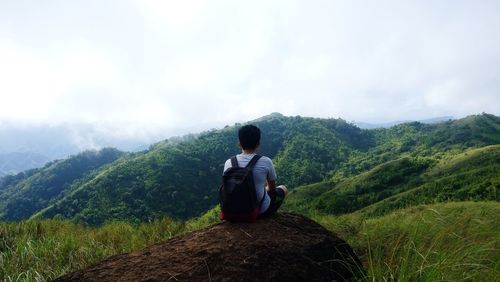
(286, 247)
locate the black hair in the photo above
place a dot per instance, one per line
(249, 136)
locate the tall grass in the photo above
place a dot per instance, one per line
(42, 250)
(442, 242)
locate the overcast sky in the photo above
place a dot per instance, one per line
(177, 65)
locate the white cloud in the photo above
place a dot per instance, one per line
(28, 85)
(162, 66)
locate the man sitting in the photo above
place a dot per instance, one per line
(268, 194)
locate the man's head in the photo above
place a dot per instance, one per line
(249, 136)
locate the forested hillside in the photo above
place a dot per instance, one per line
(470, 176)
(180, 178)
(28, 192)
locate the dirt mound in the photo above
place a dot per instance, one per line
(286, 247)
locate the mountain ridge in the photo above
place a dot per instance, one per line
(367, 125)
(146, 185)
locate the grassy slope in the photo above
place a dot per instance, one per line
(382, 181)
(447, 241)
(472, 175)
(451, 241)
(39, 250)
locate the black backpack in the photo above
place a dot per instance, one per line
(238, 198)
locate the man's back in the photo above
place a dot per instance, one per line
(262, 172)
(263, 177)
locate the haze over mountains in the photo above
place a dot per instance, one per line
(26, 146)
(180, 179)
(366, 125)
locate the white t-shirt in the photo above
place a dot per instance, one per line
(262, 171)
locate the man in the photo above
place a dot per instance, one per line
(264, 174)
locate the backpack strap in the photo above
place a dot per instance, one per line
(234, 162)
(253, 161)
(250, 165)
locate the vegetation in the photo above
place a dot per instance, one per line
(28, 192)
(405, 182)
(453, 241)
(471, 176)
(39, 250)
(180, 177)
(418, 202)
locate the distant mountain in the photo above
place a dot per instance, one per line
(12, 163)
(436, 119)
(365, 125)
(180, 177)
(28, 192)
(25, 146)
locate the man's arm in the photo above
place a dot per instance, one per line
(271, 177)
(271, 185)
(227, 165)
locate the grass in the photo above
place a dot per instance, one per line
(441, 242)
(41, 250)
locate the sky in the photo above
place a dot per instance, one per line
(157, 67)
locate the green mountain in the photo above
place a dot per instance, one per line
(470, 176)
(181, 179)
(23, 194)
(328, 160)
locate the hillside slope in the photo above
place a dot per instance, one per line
(456, 241)
(180, 177)
(459, 241)
(472, 175)
(23, 194)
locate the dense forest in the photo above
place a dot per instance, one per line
(343, 167)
